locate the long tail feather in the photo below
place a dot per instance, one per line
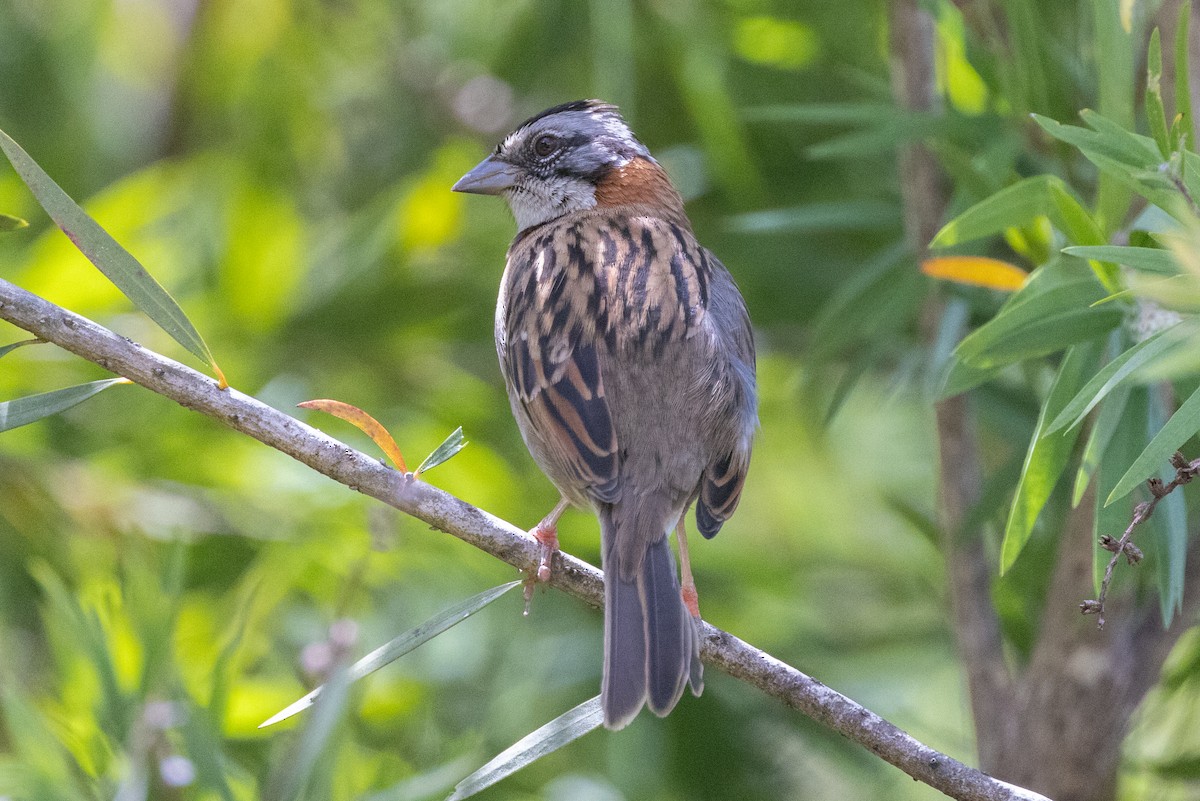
(650, 644)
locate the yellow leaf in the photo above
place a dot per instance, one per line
(976, 271)
(365, 423)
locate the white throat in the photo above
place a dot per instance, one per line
(546, 200)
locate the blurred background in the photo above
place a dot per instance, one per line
(283, 167)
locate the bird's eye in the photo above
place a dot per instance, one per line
(544, 145)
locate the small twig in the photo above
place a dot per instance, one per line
(1185, 471)
(1176, 178)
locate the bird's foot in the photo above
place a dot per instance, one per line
(546, 534)
(547, 537)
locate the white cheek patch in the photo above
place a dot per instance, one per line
(535, 202)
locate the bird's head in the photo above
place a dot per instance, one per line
(572, 157)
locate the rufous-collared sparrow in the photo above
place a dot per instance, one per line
(629, 361)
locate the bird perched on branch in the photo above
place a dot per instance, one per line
(629, 361)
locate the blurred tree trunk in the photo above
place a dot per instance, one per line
(1056, 724)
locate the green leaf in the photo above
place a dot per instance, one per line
(1045, 316)
(1128, 438)
(1127, 157)
(1046, 457)
(401, 645)
(851, 215)
(1156, 115)
(1070, 217)
(291, 775)
(1151, 260)
(565, 729)
(1012, 206)
(11, 223)
(117, 264)
(1166, 549)
(1183, 95)
(1111, 376)
(450, 446)
(21, 411)
(1178, 430)
(7, 349)
(1098, 439)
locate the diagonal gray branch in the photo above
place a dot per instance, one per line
(364, 474)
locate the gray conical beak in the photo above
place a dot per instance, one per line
(489, 177)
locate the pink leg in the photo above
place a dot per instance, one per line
(546, 533)
(688, 591)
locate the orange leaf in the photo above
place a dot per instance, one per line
(365, 423)
(977, 271)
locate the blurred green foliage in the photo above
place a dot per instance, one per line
(283, 168)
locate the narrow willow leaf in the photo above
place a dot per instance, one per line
(1128, 158)
(7, 349)
(1151, 260)
(1012, 206)
(450, 446)
(1070, 217)
(565, 729)
(1114, 72)
(1110, 377)
(1046, 323)
(117, 264)
(1183, 94)
(1081, 228)
(22, 411)
(11, 223)
(364, 423)
(398, 647)
(1098, 439)
(1166, 549)
(291, 775)
(1046, 457)
(1178, 430)
(1156, 115)
(963, 376)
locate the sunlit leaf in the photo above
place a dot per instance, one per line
(564, 729)
(1012, 206)
(398, 647)
(1152, 260)
(364, 422)
(117, 264)
(1110, 377)
(21, 411)
(7, 349)
(781, 43)
(11, 223)
(1179, 429)
(976, 271)
(450, 446)
(1046, 457)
